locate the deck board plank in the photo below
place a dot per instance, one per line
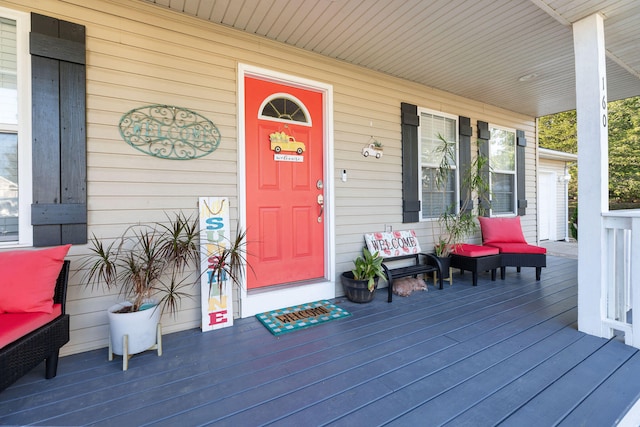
(464, 355)
(564, 395)
(472, 388)
(389, 363)
(427, 377)
(610, 397)
(492, 408)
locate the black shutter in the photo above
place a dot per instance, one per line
(521, 143)
(483, 149)
(410, 155)
(465, 131)
(59, 209)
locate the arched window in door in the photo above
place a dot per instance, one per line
(283, 107)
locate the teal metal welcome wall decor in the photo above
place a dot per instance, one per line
(169, 132)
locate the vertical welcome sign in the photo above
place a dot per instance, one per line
(217, 302)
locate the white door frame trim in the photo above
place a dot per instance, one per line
(255, 302)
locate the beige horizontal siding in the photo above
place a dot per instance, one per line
(138, 54)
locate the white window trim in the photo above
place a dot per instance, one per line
(514, 172)
(457, 159)
(25, 194)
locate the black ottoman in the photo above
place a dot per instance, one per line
(476, 258)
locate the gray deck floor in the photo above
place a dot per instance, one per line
(505, 352)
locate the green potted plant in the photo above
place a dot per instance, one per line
(360, 283)
(153, 265)
(456, 224)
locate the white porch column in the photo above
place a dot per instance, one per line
(593, 164)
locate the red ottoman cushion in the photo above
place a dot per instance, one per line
(474, 251)
(518, 248)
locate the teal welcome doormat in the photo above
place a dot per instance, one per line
(301, 316)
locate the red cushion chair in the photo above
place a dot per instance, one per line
(506, 235)
(19, 355)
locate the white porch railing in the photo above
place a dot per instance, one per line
(622, 274)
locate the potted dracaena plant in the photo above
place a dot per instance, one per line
(361, 283)
(153, 265)
(455, 223)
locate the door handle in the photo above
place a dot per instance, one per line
(321, 203)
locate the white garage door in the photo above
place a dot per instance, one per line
(547, 211)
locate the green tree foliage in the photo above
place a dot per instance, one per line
(624, 150)
(559, 132)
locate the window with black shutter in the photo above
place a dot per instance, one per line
(426, 195)
(505, 149)
(58, 84)
(507, 184)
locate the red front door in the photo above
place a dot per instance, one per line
(284, 183)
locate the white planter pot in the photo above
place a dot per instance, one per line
(140, 326)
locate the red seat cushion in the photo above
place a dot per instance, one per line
(474, 251)
(17, 325)
(29, 279)
(501, 230)
(519, 248)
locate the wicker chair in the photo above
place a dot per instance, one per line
(505, 233)
(24, 354)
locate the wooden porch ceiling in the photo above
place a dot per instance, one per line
(502, 352)
(477, 49)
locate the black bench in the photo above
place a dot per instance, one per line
(422, 264)
(401, 247)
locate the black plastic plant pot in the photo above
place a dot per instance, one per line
(357, 290)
